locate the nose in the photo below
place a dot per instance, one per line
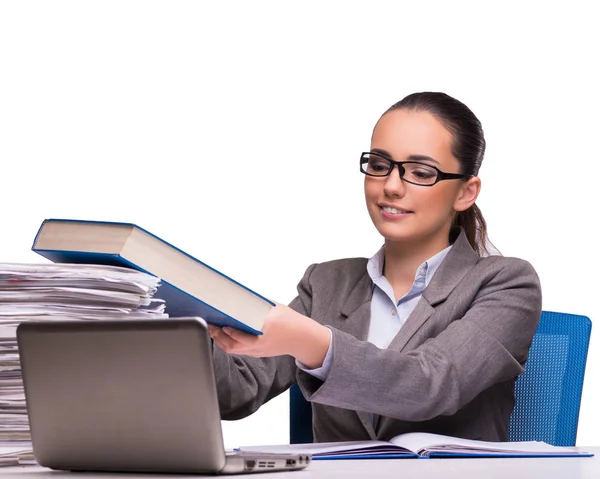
(394, 185)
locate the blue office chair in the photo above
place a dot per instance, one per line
(547, 394)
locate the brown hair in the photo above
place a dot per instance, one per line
(468, 147)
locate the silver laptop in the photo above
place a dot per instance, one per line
(129, 396)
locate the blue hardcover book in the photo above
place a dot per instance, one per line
(189, 287)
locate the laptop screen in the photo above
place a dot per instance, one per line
(123, 395)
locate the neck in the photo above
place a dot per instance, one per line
(402, 258)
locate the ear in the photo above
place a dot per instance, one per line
(468, 193)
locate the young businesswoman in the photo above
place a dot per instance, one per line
(427, 335)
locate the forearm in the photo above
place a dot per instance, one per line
(415, 386)
(311, 344)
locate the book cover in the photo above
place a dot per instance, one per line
(178, 302)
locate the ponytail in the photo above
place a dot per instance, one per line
(473, 223)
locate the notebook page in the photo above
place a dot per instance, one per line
(435, 442)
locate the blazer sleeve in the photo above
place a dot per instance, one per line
(245, 383)
(489, 344)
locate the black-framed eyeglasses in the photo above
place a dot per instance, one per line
(414, 172)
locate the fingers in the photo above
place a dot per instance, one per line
(227, 343)
(213, 330)
(231, 340)
(240, 336)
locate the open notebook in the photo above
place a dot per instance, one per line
(422, 445)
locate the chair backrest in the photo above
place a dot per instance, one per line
(547, 394)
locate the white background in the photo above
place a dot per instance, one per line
(233, 130)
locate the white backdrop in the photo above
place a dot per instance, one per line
(233, 130)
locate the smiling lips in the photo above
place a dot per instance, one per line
(393, 212)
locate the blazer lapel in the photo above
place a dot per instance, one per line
(460, 259)
(356, 311)
(415, 320)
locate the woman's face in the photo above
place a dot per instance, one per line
(425, 213)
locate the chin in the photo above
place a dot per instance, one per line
(396, 233)
(398, 238)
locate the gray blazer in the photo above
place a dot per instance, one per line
(451, 368)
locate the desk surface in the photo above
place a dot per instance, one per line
(546, 468)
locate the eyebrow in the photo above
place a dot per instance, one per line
(410, 158)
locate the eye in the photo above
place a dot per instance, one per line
(420, 173)
(423, 173)
(377, 165)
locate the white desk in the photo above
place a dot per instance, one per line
(547, 468)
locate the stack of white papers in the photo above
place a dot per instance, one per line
(11, 455)
(58, 292)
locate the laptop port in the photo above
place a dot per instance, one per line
(290, 462)
(250, 465)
